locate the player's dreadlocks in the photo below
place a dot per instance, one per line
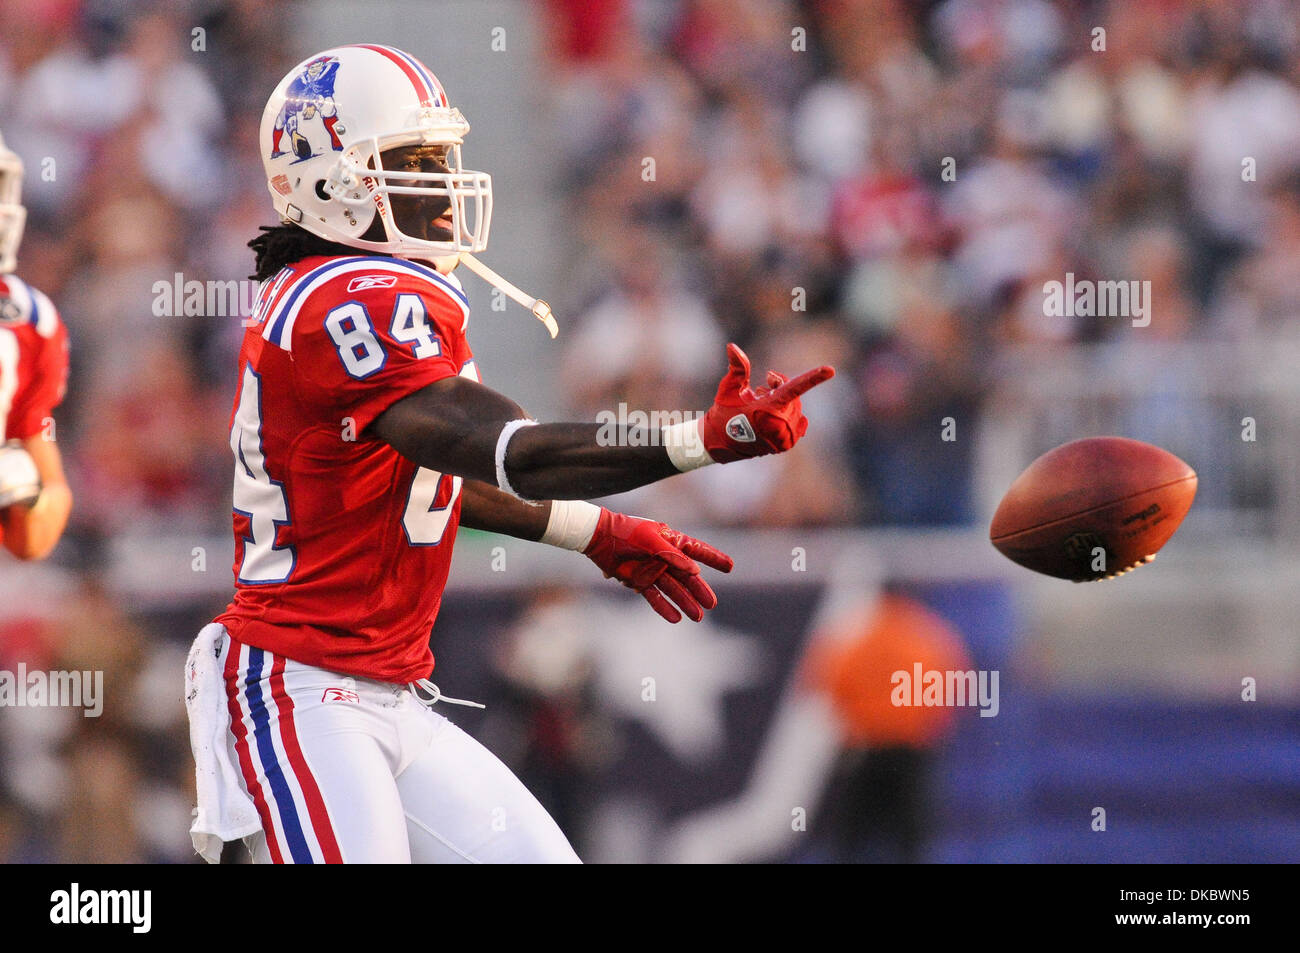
(283, 244)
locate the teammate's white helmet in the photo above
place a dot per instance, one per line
(12, 214)
(322, 136)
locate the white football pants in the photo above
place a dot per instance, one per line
(351, 770)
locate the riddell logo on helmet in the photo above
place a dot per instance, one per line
(378, 196)
(281, 184)
(740, 430)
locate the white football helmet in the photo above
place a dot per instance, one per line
(12, 214)
(323, 134)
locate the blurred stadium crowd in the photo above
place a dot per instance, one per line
(821, 171)
(797, 206)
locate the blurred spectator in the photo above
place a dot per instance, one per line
(1260, 298)
(548, 726)
(98, 823)
(649, 341)
(877, 806)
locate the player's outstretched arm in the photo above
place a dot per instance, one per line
(645, 555)
(457, 425)
(32, 526)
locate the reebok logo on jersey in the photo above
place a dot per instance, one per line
(739, 429)
(340, 695)
(362, 282)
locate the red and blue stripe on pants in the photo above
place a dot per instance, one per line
(278, 778)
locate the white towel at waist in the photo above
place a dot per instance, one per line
(225, 812)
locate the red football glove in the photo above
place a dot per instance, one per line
(744, 422)
(656, 561)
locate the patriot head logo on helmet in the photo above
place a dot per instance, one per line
(310, 96)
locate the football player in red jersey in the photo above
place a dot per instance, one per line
(34, 497)
(363, 437)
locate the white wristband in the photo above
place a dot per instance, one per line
(572, 524)
(684, 445)
(503, 443)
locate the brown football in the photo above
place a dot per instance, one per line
(1093, 509)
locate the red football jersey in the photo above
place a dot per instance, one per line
(33, 359)
(342, 545)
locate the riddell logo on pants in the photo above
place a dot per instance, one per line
(340, 695)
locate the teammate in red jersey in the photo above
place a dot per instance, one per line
(34, 495)
(362, 438)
